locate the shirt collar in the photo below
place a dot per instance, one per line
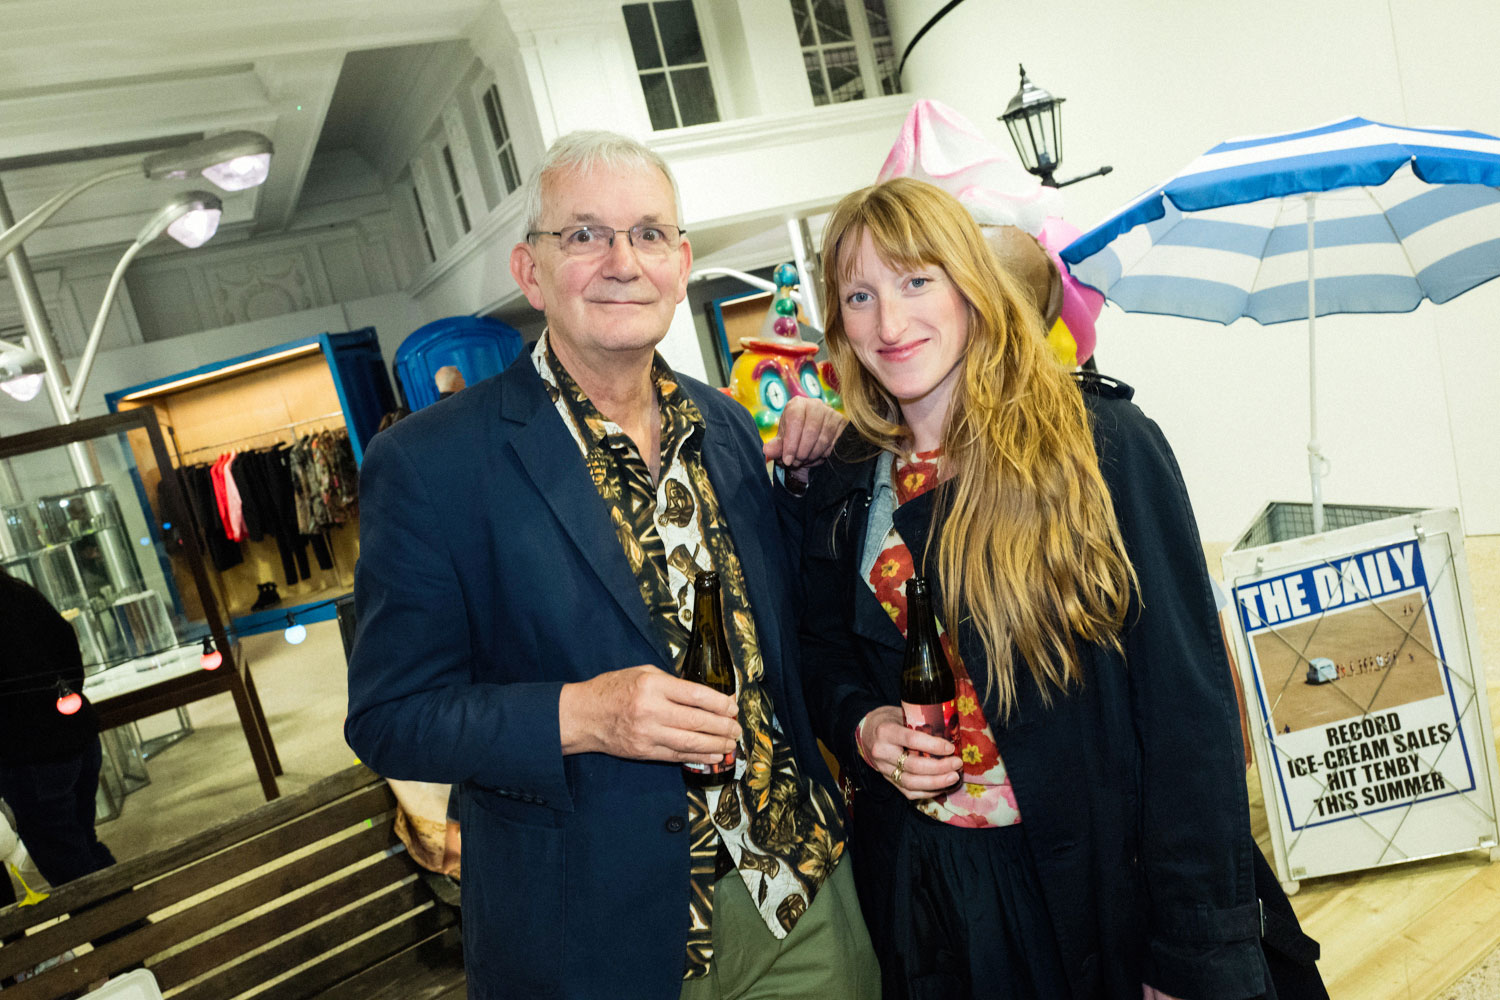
(681, 418)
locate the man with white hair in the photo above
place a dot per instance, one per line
(524, 596)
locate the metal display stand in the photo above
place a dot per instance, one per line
(1358, 649)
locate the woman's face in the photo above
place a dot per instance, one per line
(908, 328)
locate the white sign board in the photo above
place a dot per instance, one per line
(1358, 651)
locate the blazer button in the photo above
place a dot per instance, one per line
(675, 824)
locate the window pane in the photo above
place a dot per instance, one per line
(658, 100)
(814, 66)
(833, 21)
(679, 33)
(695, 96)
(508, 168)
(642, 35)
(804, 23)
(452, 173)
(422, 219)
(885, 66)
(495, 115)
(843, 74)
(875, 14)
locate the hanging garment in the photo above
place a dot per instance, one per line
(198, 485)
(235, 522)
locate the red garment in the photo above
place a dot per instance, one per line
(234, 525)
(221, 498)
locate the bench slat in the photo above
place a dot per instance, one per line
(312, 943)
(431, 970)
(221, 949)
(175, 886)
(101, 884)
(418, 929)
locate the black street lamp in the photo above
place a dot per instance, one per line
(1034, 118)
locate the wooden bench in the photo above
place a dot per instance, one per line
(227, 911)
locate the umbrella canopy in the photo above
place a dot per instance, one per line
(1349, 217)
(1402, 214)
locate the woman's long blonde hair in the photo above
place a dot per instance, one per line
(1029, 548)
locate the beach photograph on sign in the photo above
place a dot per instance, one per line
(1369, 728)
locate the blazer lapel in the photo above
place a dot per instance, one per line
(551, 458)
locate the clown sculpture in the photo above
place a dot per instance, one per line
(772, 370)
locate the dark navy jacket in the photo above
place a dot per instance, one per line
(1131, 789)
(489, 576)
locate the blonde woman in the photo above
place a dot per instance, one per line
(1088, 836)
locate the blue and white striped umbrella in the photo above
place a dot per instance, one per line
(1402, 214)
(1349, 217)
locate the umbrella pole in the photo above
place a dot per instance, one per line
(1314, 453)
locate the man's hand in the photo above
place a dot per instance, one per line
(806, 433)
(644, 713)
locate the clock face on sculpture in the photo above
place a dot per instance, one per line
(769, 373)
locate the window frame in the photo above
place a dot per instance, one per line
(860, 39)
(707, 36)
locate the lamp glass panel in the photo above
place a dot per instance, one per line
(241, 172)
(24, 388)
(196, 227)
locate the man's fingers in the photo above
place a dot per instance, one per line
(681, 692)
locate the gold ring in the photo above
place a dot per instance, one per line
(899, 769)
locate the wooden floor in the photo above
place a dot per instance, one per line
(1409, 931)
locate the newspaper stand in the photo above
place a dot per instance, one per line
(1358, 651)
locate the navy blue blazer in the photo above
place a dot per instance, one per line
(489, 576)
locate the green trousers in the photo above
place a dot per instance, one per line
(827, 955)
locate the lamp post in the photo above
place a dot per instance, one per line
(233, 161)
(191, 219)
(1034, 119)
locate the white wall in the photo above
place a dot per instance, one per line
(1409, 408)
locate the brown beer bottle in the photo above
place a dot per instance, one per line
(927, 687)
(707, 661)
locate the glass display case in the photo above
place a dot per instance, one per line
(91, 514)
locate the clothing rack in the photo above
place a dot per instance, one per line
(259, 433)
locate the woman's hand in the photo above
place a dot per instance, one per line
(1152, 993)
(919, 765)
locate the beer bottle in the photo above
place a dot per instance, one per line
(927, 687)
(707, 661)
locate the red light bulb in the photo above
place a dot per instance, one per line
(211, 658)
(68, 700)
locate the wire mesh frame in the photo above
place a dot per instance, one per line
(1281, 521)
(1463, 690)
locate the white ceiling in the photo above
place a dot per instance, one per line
(80, 76)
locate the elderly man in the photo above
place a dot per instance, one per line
(525, 596)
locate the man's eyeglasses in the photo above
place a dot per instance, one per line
(649, 238)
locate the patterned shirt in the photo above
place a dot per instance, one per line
(782, 831)
(985, 798)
